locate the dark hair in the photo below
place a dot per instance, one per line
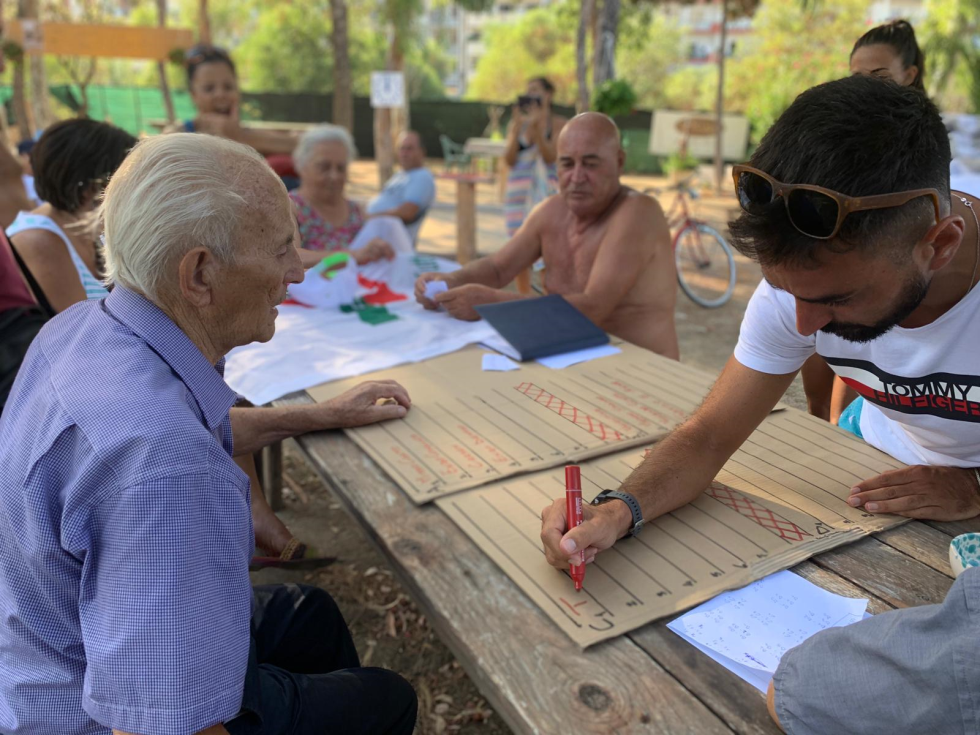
(74, 154)
(544, 82)
(900, 35)
(859, 136)
(198, 56)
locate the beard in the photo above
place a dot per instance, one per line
(912, 295)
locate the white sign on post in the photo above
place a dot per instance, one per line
(33, 39)
(387, 89)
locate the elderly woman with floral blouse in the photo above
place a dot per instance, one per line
(328, 221)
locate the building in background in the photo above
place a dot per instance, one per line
(460, 34)
(701, 22)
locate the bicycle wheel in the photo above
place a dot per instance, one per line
(705, 265)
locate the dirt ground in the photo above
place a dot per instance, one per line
(388, 628)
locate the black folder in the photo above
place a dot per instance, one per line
(541, 327)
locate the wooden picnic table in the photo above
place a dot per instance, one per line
(647, 681)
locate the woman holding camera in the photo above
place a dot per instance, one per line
(531, 152)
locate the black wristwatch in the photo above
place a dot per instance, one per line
(631, 503)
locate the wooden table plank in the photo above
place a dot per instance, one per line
(736, 702)
(896, 578)
(955, 528)
(835, 583)
(921, 542)
(536, 678)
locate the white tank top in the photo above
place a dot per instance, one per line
(28, 221)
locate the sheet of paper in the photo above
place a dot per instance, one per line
(559, 362)
(779, 500)
(498, 344)
(756, 677)
(499, 363)
(435, 287)
(468, 427)
(314, 346)
(754, 626)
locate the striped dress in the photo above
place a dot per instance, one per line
(529, 182)
(28, 221)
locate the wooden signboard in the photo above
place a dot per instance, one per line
(98, 41)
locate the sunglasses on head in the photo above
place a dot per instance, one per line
(813, 210)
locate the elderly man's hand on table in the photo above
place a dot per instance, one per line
(933, 493)
(367, 403)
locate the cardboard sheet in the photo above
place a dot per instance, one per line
(779, 500)
(468, 427)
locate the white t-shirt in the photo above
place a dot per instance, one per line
(921, 386)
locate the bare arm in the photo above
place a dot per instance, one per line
(679, 468)
(379, 400)
(268, 142)
(481, 281)
(520, 253)
(513, 132)
(771, 705)
(407, 212)
(548, 147)
(45, 256)
(13, 196)
(638, 236)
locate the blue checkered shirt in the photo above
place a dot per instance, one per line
(125, 531)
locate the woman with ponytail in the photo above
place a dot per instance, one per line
(890, 51)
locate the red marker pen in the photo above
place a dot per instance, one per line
(573, 509)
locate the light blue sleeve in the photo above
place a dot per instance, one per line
(905, 671)
(165, 605)
(421, 188)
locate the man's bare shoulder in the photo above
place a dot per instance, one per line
(637, 203)
(547, 211)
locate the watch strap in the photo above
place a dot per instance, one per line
(632, 503)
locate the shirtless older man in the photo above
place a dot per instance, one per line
(606, 247)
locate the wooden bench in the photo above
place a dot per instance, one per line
(649, 681)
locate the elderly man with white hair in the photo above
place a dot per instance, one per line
(328, 220)
(125, 532)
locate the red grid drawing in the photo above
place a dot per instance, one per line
(755, 512)
(569, 412)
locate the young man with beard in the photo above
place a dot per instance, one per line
(870, 261)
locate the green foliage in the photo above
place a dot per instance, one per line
(614, 97)
(676, 163)
(648, 52)
(793, 49)
(541, 43)
(289, 50)
(950, 37)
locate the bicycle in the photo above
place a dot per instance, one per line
(704, 259)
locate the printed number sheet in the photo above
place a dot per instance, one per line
(468, 427)
(780, 499)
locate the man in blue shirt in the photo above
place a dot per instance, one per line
(408, 194)
(125, 528)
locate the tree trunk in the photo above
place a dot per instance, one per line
(25, 118)
(720, 102)
(27, 10)
(343, 98)
(581, 60)
(168, 101)
(605, 48)
(203, 23)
